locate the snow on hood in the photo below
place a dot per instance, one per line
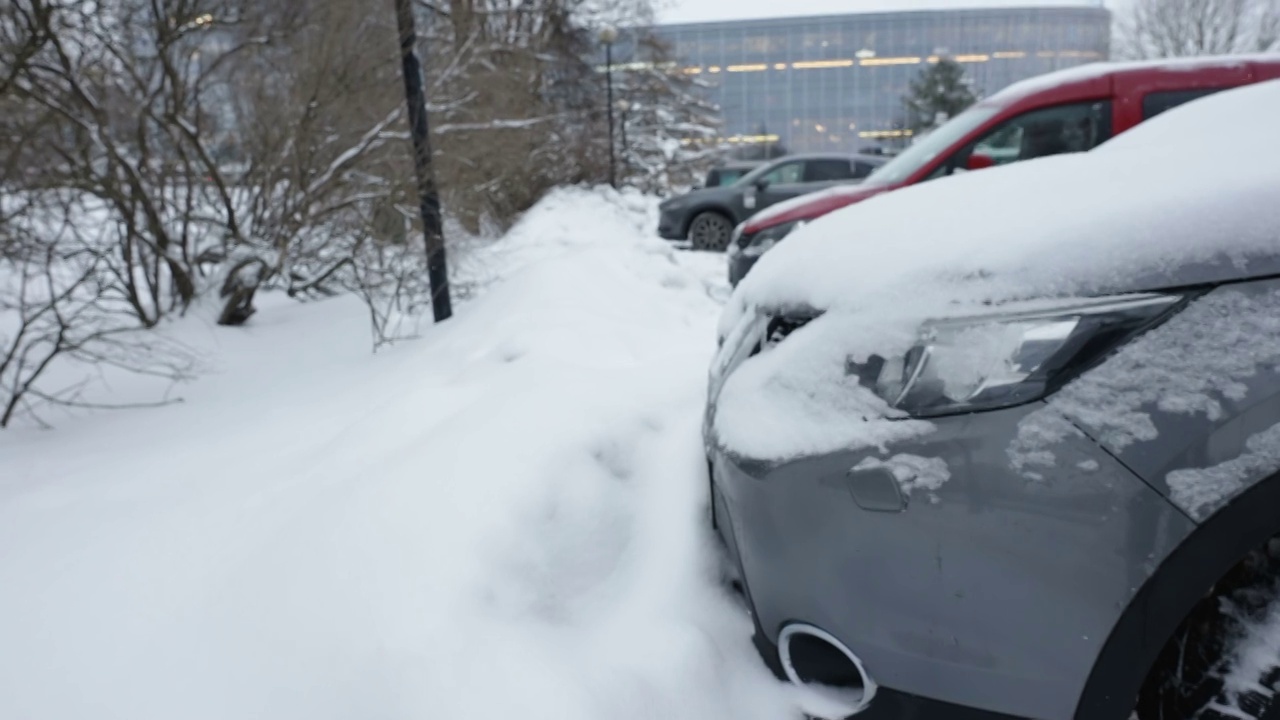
(1129, 212)
(1136, 214)
(501, 519)
(786, 206)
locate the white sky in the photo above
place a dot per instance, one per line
(684, 11)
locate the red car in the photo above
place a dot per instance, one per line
(1068, 111)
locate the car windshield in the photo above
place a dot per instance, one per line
(759, 171)
(930, 146)
(728, 177)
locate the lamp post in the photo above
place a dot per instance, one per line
(419, 132)
(624, 108)
(608, 36)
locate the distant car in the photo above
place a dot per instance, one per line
(707, 217)
(1019, 457)
(729, 173)
(1067, 111)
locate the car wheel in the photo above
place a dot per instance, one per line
(710, 231)
(1224, 661)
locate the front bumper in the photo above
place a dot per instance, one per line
(891, 704)
(673, 225)
(991, 597)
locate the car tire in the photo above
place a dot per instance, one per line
(710, 231)
(1234, 633)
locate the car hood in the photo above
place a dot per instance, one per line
(1135, 215)
(813, 205)
(699, 197)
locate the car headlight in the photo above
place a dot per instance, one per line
(735, 240)
(760, 243)
(983, 363)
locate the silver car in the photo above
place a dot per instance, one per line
(1008, 445)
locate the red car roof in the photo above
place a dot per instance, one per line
(1127, 82)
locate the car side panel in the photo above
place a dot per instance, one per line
(997, 591)
(1193, 408)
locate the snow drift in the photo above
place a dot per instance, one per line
(503, 519)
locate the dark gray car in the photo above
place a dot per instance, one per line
(1020, 456)
(707, 217)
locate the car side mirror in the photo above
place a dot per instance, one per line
(979, 161)
(762, 184)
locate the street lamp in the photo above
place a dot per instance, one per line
(608, 36)
(624, 107)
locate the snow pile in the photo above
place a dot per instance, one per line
(1199, 491)
(1130, 217)
(912, 471)
(503, 519)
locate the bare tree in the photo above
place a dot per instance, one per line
(59, 304)
(154, 151)
(1186, 28)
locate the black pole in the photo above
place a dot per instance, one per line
(428, 194)
(608, 81)
(622, 128)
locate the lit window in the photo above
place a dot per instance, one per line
(817, 64)
(872, 62)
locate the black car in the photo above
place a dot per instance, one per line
(707, 217)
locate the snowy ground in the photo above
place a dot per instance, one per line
(504, 519)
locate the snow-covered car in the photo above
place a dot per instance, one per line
(1020, 457)
(1071, 110)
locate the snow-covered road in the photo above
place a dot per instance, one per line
(502, 519)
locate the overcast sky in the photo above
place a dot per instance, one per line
(683, 11)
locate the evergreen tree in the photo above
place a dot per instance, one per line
(668, 132)
(940, 92)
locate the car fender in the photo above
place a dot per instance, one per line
(1193, 409)
(1193, 406)
(1182, 580)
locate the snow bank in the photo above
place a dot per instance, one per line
(1122, 218)
(504, 519)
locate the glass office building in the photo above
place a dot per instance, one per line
(837, 82)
